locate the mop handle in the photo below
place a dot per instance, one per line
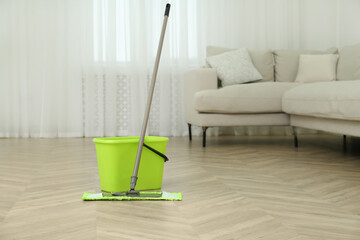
(151, 91)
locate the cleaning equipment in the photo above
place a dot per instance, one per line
(116, 158)
(132, 194)
(143, 196)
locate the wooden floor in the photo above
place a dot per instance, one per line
(235, 188)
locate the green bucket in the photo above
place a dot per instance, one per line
(116, 158)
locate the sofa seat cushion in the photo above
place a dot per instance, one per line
(337, 100)
(243, 98)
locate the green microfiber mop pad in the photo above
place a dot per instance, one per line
(99, 196)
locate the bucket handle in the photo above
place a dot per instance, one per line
(157, 152)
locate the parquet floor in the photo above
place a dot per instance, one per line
(235, 188)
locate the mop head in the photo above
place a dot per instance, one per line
(101, 196)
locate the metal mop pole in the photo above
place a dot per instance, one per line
(147, 112)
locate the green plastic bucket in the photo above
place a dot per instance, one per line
(116, 158)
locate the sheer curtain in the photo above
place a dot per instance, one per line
(116, 79)
(73, 68)
(40, 72)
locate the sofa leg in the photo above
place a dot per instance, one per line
(204, 136)
(190, 136)
(295, 137)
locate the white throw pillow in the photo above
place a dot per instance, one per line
(234, 67)
(317, 68)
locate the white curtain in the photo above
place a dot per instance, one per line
(73, 68)
(40, 71)
(116, 77)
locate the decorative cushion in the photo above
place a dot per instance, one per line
(338, 99)
(317, 68)
(243, 98)
(234, 67)
(348, 67)
(263, 60)
(287, 62)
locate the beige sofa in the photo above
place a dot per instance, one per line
(277, 100)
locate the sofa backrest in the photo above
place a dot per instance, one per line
(348, 67)
(262, 60)
(287, 62)
(282, 65)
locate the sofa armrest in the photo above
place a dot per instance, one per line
(194, 81)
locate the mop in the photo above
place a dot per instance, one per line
(132, 194)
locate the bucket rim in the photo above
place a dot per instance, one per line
(131, 139)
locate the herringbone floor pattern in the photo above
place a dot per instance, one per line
(235, 188)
